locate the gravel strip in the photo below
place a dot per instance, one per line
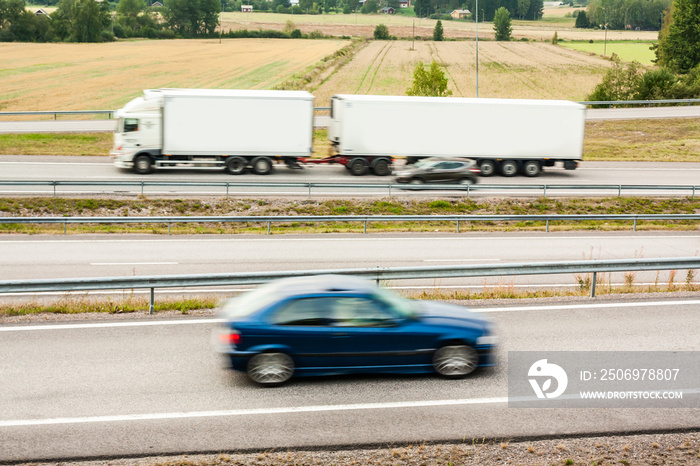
(651, 449)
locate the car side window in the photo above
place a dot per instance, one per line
(303, 312)
(359, 311)
(441, 165)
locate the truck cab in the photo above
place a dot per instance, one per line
(139, 132)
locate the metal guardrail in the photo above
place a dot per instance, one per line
(228, 185)
(270, 219)
(55, 113)
(642, 103)
(609, 103)
(380, 273)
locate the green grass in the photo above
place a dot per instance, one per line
(37, 207)
(56, 144)
(627, 51)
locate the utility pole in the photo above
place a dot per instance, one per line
(477, 48)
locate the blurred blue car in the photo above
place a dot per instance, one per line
(335, 324)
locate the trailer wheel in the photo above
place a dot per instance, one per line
(359, 167)
(532, 168)
(262, 166)
(236, 165)
(143, 165)
(488, 167)
(381, 167)
(509, 168)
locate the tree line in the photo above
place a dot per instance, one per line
(623, 14)
(92, 21)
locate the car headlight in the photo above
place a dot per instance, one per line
(486, 340)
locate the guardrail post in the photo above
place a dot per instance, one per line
(389, 189)
(365, 226)
(65, 227)
(142, 183)
(468, 189)
(547, 228)
(457, 226)
(54, 189)
(309, 191)
(635, 224)
(168, 228)
(619, 191)
(152, 303)
(693, 192)
(545, 191)
(227, 190)
(595, 277)
(268, 227)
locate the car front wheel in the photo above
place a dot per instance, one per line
(270, 369)
(455, 361)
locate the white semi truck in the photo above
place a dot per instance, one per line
(504, 136)
(195, 128)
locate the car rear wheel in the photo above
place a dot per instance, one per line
(236, 165)
(416, 182)
(270, 369)
(455, 361)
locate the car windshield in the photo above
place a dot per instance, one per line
(247, 303)
(406, 308)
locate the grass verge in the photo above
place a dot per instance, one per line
(49, 207)
(659, 140)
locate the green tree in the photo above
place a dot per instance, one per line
(128, 12)
(501, 24)
(88, 21)
(619, 83)
(192, 18)
(438, 32)
(581, 20)
(679, 48)
(423, 8)
(429, 83)
(523, 8)
(381, 32)
(371, 6)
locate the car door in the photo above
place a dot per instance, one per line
(372, 336)
(304, 326)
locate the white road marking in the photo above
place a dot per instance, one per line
(252, 412)
(21, 328)
(134, 263)
(102, 164)
(460, 260)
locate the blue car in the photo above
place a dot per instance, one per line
(336, 324)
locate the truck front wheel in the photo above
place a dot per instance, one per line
(236, 165)
(488, 167)
(359, 167)
(262, 166)
(143, 165)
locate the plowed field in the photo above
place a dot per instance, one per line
(106, 76)
(506, 69)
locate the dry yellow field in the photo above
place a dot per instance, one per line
(506, 69)
(106, 76)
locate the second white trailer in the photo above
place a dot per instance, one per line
(503, 135)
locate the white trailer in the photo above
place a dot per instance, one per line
(204, 128)
(502, 135)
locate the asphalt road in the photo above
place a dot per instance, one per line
(108, 391)
(100, 169)
(75, 256)
(96, 126)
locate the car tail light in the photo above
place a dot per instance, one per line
(475, 170)
(229, 337)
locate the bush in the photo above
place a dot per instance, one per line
(296, 34)
(107, 36)
(347, 10)
(438, 33)
(316, 35)
(166, 34)
(381, 32)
